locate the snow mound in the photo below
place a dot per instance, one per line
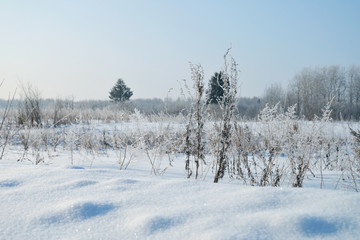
(9, 183)
(319, 226)
(73, 167)
(78, 184)
(74, 211)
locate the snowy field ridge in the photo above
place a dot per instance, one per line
(55, 201)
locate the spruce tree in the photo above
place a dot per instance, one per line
(215, 91)
(120, 92)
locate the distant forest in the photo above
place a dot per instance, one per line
(246, 107)
(310, 90)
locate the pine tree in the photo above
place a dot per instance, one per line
(120, 92)
(215, 92)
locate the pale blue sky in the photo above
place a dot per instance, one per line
(80, 48)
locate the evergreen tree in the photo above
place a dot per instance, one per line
(216, 89)
(120, 92)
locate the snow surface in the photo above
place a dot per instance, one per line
(93, 199)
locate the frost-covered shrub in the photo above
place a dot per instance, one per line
(352, 169)
(282, 147)
(242, 164)
(5, 126)
(159, 146)
(194, 145)
(227, 105)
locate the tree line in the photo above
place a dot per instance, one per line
(314, 87)
(310, 90)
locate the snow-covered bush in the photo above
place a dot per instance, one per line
(159, 146)
(5, 126)
(194, 146)
(227, 105)
(353, 166)
(242, 164)
(282, 148)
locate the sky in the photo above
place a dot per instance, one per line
(78, 49)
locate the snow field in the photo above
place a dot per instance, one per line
(78, 192)
(58, 201)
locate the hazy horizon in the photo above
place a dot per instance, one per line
(80, 48)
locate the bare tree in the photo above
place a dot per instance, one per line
(29, 108)
(5, 125)
(274, 94)
(315, 87)
(353, 79)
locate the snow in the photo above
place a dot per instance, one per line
(93, 199)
